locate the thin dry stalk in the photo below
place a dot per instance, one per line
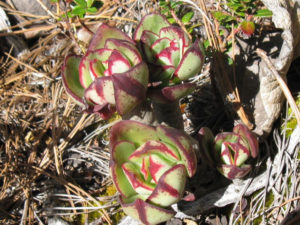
(47, 10)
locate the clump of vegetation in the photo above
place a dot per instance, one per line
(241, 14)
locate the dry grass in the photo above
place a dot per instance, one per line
(54, 158)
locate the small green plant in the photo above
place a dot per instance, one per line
(172, 57)
(241, 15)
(111, 77)
(82, 7)
(149, 167)
(229, 151)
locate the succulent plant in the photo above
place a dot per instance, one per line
(110, 77)
(171, 54)
(149, 166)
(229, 151)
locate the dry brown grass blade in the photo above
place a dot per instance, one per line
(282, 84)
(47, 10)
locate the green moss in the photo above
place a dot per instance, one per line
(269, 202)
(110, 190)
(291, 123)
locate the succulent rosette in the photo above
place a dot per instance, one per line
(149, 166)
(171, 54)
(110, 77)
(229, 151)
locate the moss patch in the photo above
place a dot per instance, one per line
(291, 123)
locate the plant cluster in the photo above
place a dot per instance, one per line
(149, 165)
(81, 7)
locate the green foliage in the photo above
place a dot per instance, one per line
(182, 13)
(241, 7)
(82, 7)
(224, 18)
(263, 13)
(240, 12)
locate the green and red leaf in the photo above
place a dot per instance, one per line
(145, 212)
(70, 78)
(128, 92)
(184, 146)
(248, 137)
(191, 62)
(154, 147)
(176, 92)
(128, 49)
(132, 131)
(105, 32)
(151, 22)
(170, 187)
(234, 172)
(247, 27)
(93, 65)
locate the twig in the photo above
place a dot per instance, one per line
(28, 66)
(282, 84)
(47, 10)
(283, 204)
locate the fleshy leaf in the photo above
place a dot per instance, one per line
(101, 91)
(117, 63)
(133, 131)
(148, 38)
(169, 56)
(105, 32)
(176, 34)
(160, 44)
(128, 92)
(127, 49)
(234, 172)
(191, 62)
(152, 22)
(170, 187)
(206, 145)
(120, 154)
(91, 66)
(247, 137)
(140, 74)
(184, 145)
(234, 153)
(162, 73)
(158, 166)
(137, 181)
(176, 92)
(70, 78)
(146, 213)
(154, 147)
(225, 136)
